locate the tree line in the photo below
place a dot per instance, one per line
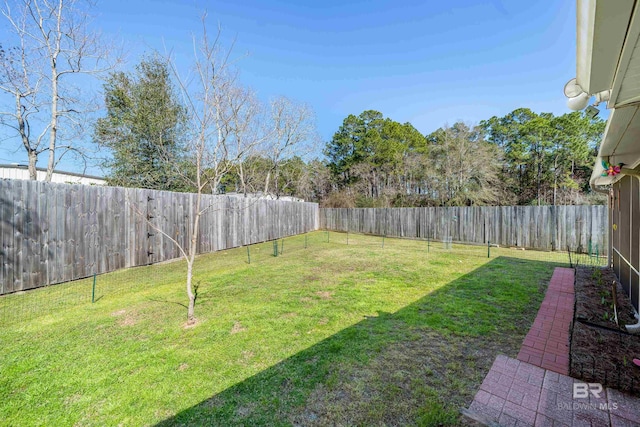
(522, 158)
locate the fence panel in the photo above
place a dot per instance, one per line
(533, 227)
(52, 233)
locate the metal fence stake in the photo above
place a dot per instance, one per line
(93, 289)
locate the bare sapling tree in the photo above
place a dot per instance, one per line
(42, 101)
(293, 133)
(216, 138)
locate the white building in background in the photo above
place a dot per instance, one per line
(16, 171)
(261, 195)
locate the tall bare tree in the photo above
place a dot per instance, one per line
(51, 42)
(246, 128)
(293, 133)
(466, 166)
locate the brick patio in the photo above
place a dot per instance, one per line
(535, 390)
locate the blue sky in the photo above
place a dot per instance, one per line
(425, 62)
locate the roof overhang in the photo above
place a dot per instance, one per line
(602, 29)
(608, 58)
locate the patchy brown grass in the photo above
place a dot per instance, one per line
(191, 324)
(325, 294)
(392, 389)
(126, 318)
(237, 328)
(247, 356)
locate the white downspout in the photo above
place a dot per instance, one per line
(634, 328)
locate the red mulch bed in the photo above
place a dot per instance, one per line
(601, 350)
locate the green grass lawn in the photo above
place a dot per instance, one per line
(333, 334)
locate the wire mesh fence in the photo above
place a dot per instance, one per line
(591, 255)
(589, 368)
(99, 289)
(46, 301)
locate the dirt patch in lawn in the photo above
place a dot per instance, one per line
(601, 350)
(125, 318)
(325, 294)
(237, 328)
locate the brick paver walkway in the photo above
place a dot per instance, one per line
(534, 390)
(516, 393)
(547, 343)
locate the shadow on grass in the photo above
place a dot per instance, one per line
(477, 316)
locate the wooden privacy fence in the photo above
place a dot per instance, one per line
(535, 227)
(53, 233)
